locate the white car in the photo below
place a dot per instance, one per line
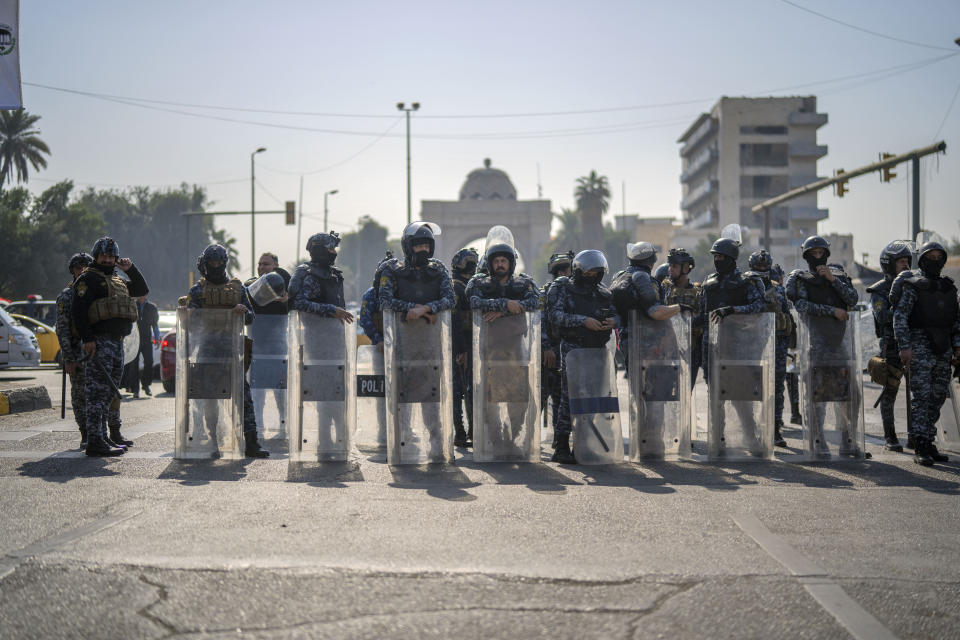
(18, 345)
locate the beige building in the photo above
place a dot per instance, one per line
(659, 231)
(743, 152)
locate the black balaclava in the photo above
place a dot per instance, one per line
(587, 280)
(813, 263)
(105, 269)
(420, 258)
(724, 265)
(323, 256)
(931, 268)
(216, 275)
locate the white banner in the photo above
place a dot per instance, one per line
(11, 96)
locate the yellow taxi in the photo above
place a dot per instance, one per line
(46, 337)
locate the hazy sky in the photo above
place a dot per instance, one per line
(644, 69)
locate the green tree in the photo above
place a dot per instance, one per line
(569, 237)
(593, 199)
(359, 253)
(20, 145)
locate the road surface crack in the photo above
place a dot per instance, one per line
(162, 595)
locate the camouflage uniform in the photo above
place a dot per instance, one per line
(889, 349)
(549, 341)
(689, 295)
(775, 298)
(926, 319)
(71, 351)
(368, 312)
(462, 329)
(566, 305)
(419, 278)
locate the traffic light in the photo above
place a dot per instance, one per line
(291, 209)
(840, 188)
(887, 174)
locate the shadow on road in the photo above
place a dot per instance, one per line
(66, 469)
(444, 481)
(539, 478)
(201, 472)
(324, 474)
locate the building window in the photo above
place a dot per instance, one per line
(764, 130)
(762, 186)
(763, 155)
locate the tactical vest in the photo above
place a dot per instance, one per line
(635, 288)
(464, 316)
(821, 291)
(882, 327)
(417, 285)
(772, 305)
(593, 303)
(515, 288)
(551, 329)
(685, 295)
(117, 305)
(935, 310)
(728, 292)
(221, 296)
(329, 287)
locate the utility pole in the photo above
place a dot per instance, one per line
(253, 228)
(296, 253)
(328, 193)
(413, 107)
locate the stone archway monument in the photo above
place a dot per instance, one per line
(488, 198)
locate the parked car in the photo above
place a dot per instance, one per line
(168, 360)
(18, 345)
(43, 310)
(46, 337)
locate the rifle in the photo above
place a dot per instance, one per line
(63, 388)
(909, 402)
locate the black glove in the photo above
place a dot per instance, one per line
(721, 313)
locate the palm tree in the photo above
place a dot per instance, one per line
(593, 200)
(20, 144)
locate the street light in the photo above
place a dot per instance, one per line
(253, 228)
(328, 193)
(413, 107)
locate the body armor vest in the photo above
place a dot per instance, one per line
(635, 288)
(820, 291)
(592, 303)
(781, 321)
(221, 296)
(515, 288)
(935, 310)
(464, 315)
(689, 295)
(330, 286)
(728, 292)
(883, 328)
(419, 286)
(117, 305)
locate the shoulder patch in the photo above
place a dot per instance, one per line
(81, 289)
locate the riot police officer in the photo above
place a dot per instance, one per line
(104, 310)
(317, 286)
(582, 310)
(679, 289)
(895, 258)
(70, 350)
(371, 319)
(216, 290)
(775, 299)
(822, 294)
(558, 266)
(416, 285)
(926, 325)
(463, 266)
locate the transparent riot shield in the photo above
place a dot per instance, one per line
(209, 384)
(740, 388)
(831, 387)
(506, 396)
(660, 394)
(594, 405)
(418, 362)
(321, 391)
(268, 374)
(949, 423)
(371, 399)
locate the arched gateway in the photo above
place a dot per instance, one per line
(487, 198)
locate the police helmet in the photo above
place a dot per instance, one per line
(559, 261)
(726, 247)
(461, 259)
(679, 255)
(893, 252)
(662, 272)
(505, 250)
(760, 260)
(588, 260)
(815, 242)
(418, 233)
(82, 259)
(213, 252)
(641, 252)
(323, 240)
(106, 246)
(927, 247)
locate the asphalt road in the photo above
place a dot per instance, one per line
(147, 546)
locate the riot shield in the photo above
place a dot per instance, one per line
(321, 392)
(740, 388)
(268, 374)
(594, 405)
(506, 397)
(660, 396)
(949, 423)
(131, 344)
(831, 387)
(419, 364)
(209, 383)
(371, 399)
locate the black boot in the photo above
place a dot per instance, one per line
(934, 453)
(460, 437)
(253, 448)
(83, 438)
(777, 438)
(795, 414)
(891, 443)
(99, 448)
(562, 453)
(117, 438)
(922, 455)
(911, 443)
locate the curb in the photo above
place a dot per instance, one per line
(24, 399)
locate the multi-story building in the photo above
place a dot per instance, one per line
(743, 152)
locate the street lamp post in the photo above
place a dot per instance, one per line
(328, 193)
(413, 107)
(253, 228)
